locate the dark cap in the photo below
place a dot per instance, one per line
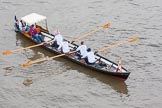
(89, 49)
(82, 42)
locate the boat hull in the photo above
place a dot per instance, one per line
(121, 75)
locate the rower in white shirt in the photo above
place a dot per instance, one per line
(20, 26)
(58, 39)
(89, 57)
(81, 50)
(64, 47)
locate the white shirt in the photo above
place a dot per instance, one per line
(20, 26)
(82, 49)
(58, 39)
(65, 47)
(91, 57)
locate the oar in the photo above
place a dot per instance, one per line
(11, 51)
(88, 34)
(117, 44)
(44, 59)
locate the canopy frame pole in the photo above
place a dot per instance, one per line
(46, 24)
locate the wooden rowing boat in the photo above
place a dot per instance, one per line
(102, 64)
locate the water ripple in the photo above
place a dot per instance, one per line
(61, 83)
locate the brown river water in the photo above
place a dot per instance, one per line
(59, 83)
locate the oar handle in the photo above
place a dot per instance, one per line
(57, 56)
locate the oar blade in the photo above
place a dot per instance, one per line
(6, 52)
(106, 25)
(133, 39)
(26, 64)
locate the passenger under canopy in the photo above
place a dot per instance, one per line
(34, 18)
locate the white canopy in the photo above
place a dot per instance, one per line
(33, 18)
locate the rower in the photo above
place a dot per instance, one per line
(64, 47)
(81, 50)
(57, 40)
(89, 57)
